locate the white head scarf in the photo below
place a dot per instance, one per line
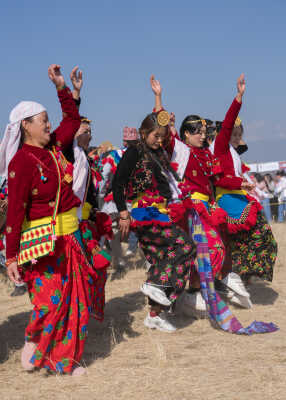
(12, 135)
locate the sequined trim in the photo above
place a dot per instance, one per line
(243, 216)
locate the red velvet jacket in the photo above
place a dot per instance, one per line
(203, 166)
(28, 195)
(222, 149)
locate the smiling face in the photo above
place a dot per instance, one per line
(197, 138)
(155, 138)
(37, 130)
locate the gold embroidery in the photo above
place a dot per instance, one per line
(8, 229)
(25, 205)
(243, 216)
(52, 204)
(195, 172)
(12, 174)
(35, 191)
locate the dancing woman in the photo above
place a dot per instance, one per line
(60, 284)
(143, 176)
(251, 243)
(201, 171)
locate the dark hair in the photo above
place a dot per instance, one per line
(22, 139)
(131, 142)
(149, 124)
(190, 127)
(258, 177)
(280, 173)
(85, 120)
(218, 125)
(159, 157)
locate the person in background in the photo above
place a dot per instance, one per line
(280, 191)
(270, 184)
(264, 196)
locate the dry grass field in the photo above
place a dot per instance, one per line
(127, 361)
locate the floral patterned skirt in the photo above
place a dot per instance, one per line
(254, 252)
(62, 290)
(170, 252)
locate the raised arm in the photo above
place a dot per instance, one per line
(157, 90)
(77, 82)
(221, 145)
(63, 136)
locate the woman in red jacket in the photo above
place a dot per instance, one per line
(251, 243)
(60, 284)
(201, 171)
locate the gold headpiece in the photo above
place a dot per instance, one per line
(163, 118)
(203, 121)
(237, 122)
(85, 120)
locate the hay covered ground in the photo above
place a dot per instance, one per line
(127, 361)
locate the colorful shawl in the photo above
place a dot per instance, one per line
(219, 313)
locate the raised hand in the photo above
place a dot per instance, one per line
(55, 75)
(155, 85)
(76, 79)
(240, 87)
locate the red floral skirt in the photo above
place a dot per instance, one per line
(63, 291)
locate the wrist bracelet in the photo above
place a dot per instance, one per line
(10, 261)
(59, 88)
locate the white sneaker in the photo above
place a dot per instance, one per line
(234, 282)
(155, 294)
(129, 253)
(242, 301)
(159, 322)
(195, 300)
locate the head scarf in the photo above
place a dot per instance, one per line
(12, 135)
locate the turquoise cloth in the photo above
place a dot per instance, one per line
(233, 204)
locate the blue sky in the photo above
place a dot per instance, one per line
(196, 49)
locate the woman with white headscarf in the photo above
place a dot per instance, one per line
(44, 246)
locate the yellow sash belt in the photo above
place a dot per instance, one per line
(66, 222)
(200, 196)
(221, 191)
(86, 208)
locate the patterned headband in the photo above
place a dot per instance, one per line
(85, 120)
(203, 121)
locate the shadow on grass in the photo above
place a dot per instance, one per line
(116, 327)
(12, 332)
(262, 293)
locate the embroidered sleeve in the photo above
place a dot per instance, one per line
(20, 174)
(63, 136)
